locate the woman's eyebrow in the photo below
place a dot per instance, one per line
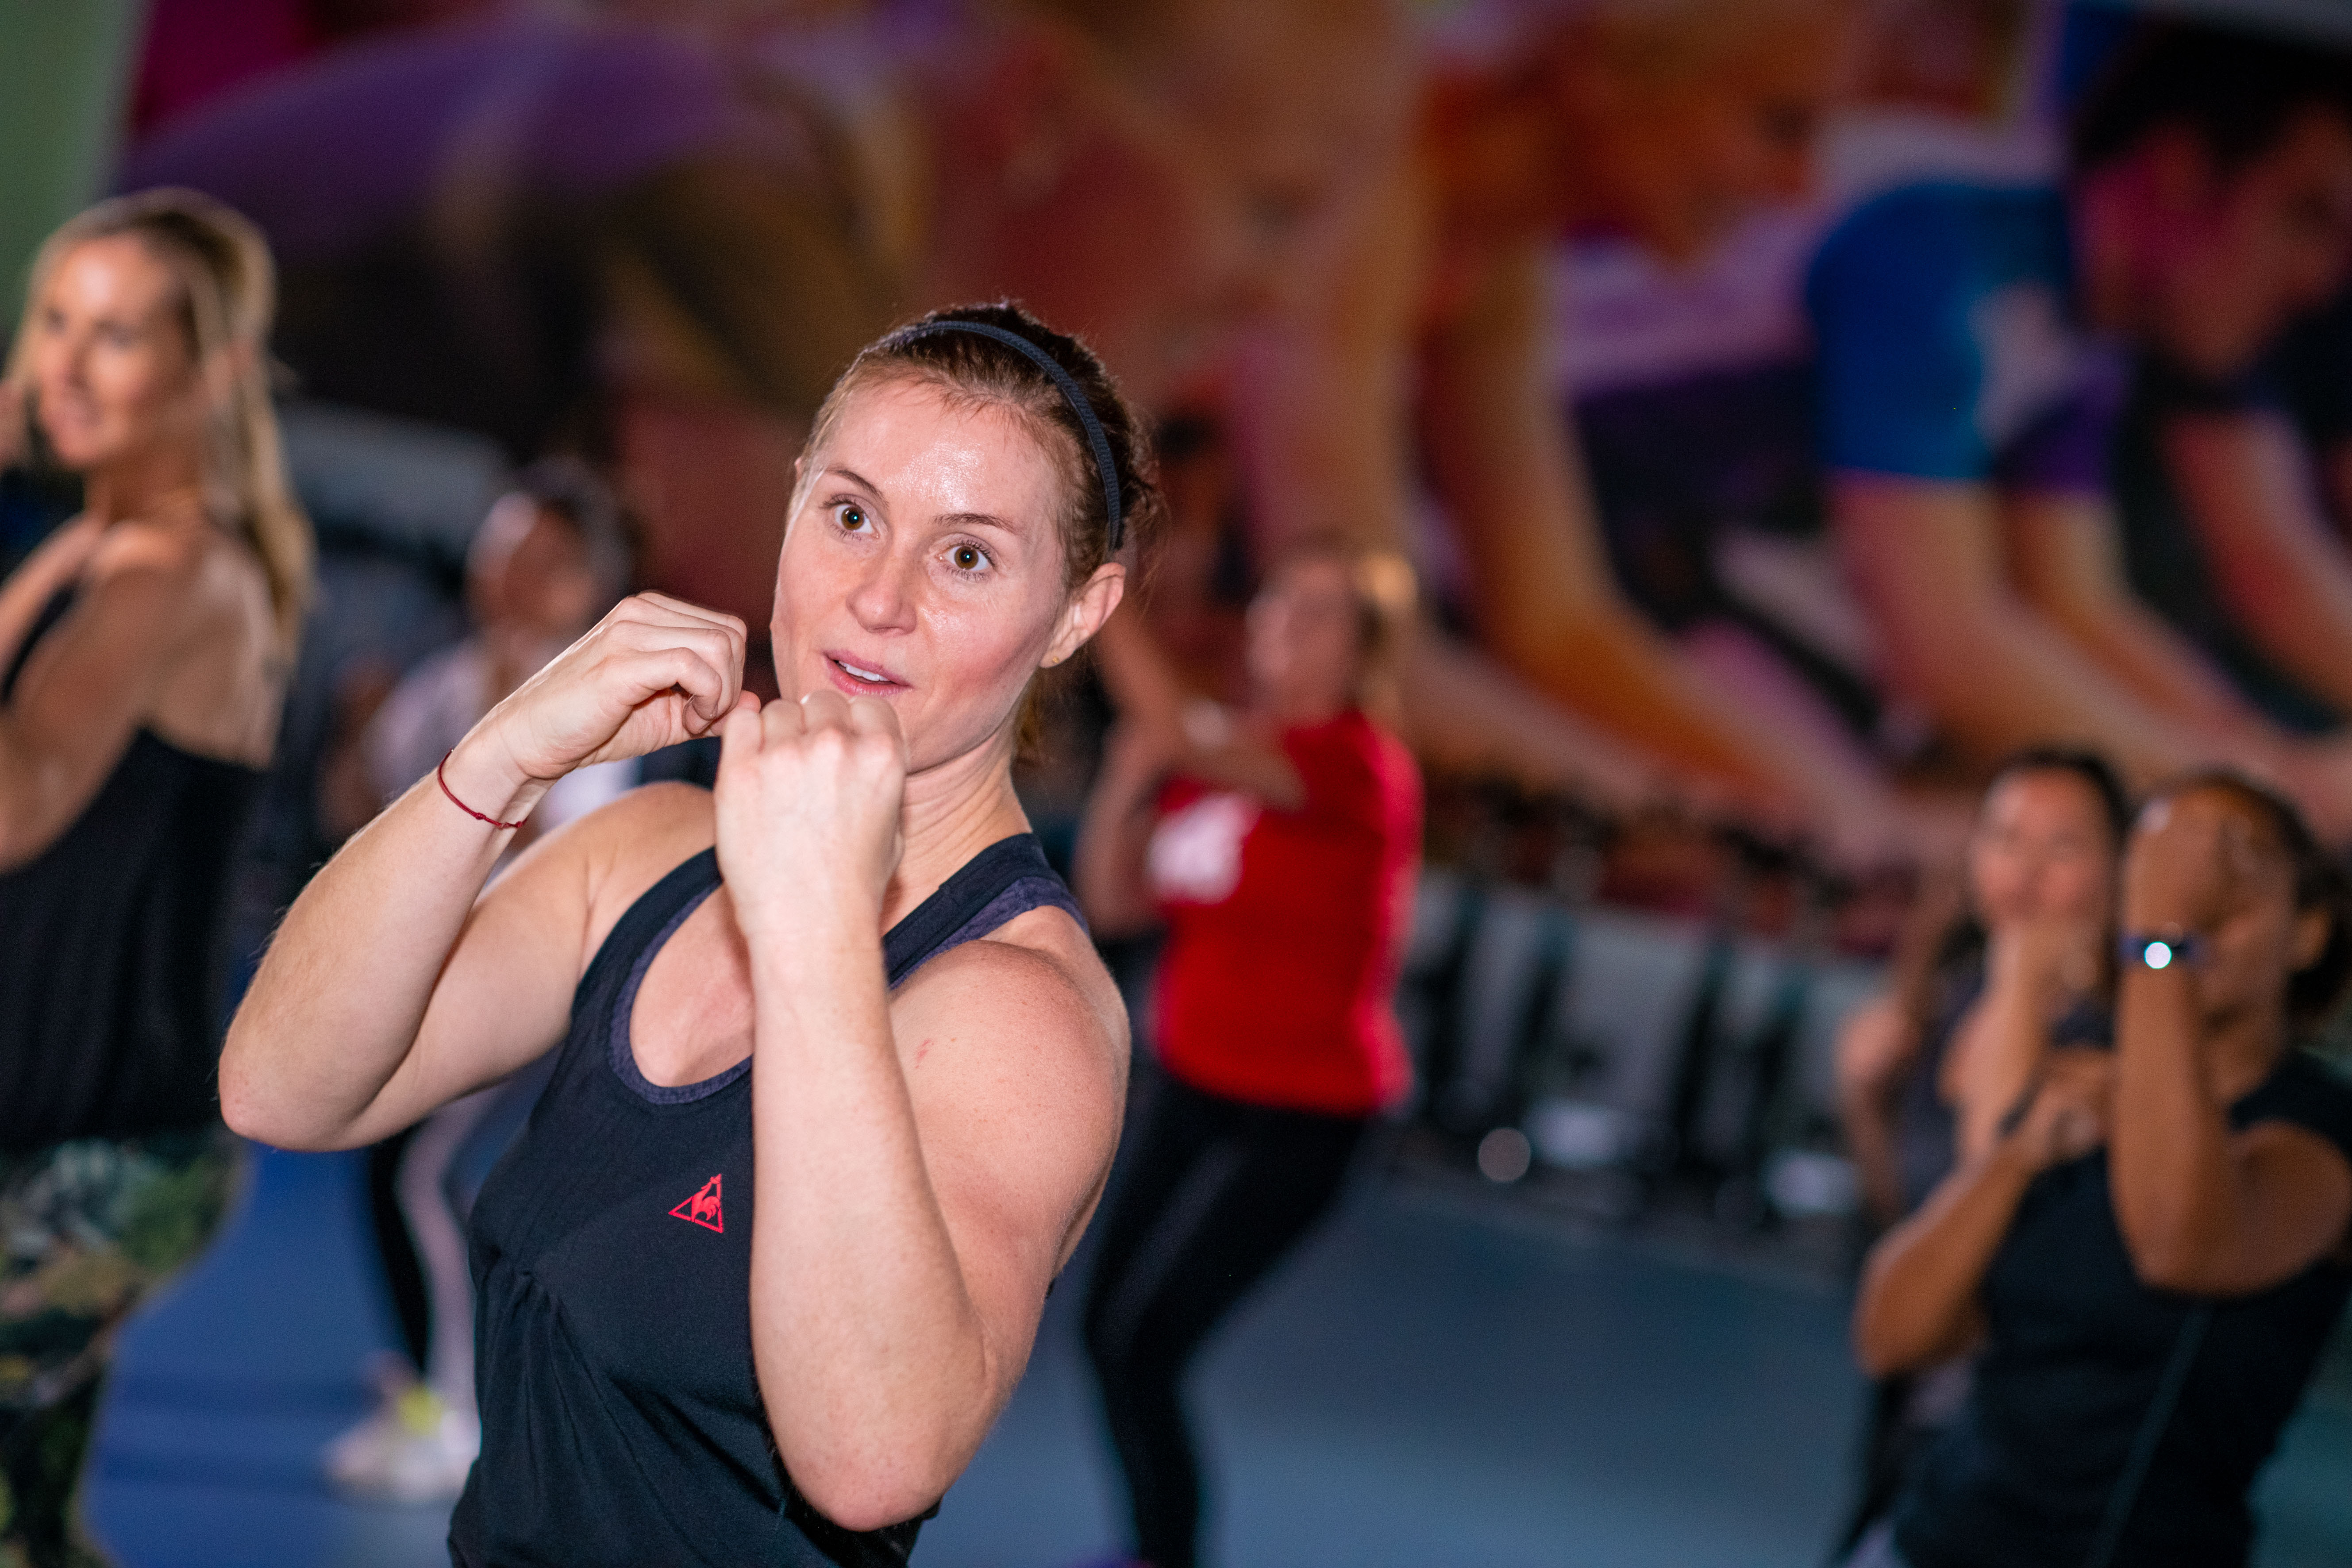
(854, 478)
(980, 520)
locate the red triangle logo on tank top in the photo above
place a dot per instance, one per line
(702, 1208)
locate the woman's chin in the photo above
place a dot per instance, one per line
(79, 452)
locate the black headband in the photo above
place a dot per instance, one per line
(1095, 435)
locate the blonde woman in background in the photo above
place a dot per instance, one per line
(143, 654)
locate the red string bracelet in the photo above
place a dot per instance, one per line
(461, 806)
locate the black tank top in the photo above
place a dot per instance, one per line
(113, 945)
(612, 1254)
(2076, 1351)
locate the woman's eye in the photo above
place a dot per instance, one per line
(851, 516)
(968, 557)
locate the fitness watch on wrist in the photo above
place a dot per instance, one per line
(2157, 949)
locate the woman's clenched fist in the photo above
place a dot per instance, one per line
(654, 672)
(808, 798)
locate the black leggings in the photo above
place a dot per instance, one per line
(1213, 1194)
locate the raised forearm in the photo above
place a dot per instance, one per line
(1113, 841)
(1466, 713)
(2169, 1156)
(1997, 1049)
(343, 989)
(1920, 1290)
(2156, 663)
(1869, 1124)
(2251, 494)
(1617, 671)
(874, 1361)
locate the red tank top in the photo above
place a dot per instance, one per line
(1285, 928)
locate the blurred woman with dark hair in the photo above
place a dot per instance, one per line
(2152, 1250)
(143, 654)
(1993, 976)
(1983, 991)
(1278, 846)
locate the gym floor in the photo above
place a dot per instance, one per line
(1442, 1380)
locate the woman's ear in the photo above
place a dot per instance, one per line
(2311, 929)
(1087, 611)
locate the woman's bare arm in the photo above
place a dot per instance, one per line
(1116, 834)
(1920, 1303)
(1877, 1049)
(54, 562)
(2204, 1209)
(93, 680)
(389, 990)
(1999, 1046)
(2282, 568)
(924, 1165)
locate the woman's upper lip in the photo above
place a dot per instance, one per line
(865, 667)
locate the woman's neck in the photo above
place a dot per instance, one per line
(949, 813)
(150, 486)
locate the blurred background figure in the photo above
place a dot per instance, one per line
(1975, 344)
(549, 560)
(659, 242)
(1279, 845)
(146, 644)
(2153, 1245)
(1427, 359)
(1980, 999)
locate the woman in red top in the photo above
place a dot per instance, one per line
(1279, 846)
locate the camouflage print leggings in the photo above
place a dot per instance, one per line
(87, 1229)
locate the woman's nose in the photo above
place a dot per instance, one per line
(885, 597)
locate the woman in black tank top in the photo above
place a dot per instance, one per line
(839, 1075)
(142, 652)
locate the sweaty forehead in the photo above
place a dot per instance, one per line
(920, 446)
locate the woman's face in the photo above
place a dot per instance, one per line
(528, 573)
(2254, 939)
(2042, 850)
(111, 371)
(1306, 639)
(923, 566)
(2236, 255)
(1672, 162)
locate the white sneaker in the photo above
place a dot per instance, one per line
(414, 1449)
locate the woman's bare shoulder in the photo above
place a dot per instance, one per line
(1038, 970)
(610, 858)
